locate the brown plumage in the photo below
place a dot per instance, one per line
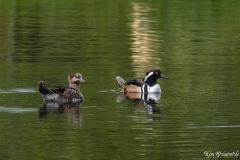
(71, 93)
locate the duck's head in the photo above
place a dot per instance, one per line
(152, 76)
(75, 79)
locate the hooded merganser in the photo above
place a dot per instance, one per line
(63, 94)
(147, 85)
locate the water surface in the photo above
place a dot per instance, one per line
(196, 44)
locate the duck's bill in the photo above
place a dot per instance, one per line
(82, 80)
(165, 77)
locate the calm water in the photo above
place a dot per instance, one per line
(196, 43)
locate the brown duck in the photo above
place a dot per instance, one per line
(71, 93)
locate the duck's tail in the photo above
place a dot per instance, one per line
(43, 89)
(121, 81)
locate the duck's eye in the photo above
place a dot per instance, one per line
(156, 72)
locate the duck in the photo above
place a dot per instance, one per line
(145, 86)
(71, 93)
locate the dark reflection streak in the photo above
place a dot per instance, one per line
(72, 109)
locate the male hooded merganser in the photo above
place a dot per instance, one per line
(64, 94)
(147, 85)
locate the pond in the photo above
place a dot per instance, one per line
(195, 43)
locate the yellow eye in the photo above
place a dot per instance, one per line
(156, 72)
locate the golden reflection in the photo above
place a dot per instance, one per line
(144, 40)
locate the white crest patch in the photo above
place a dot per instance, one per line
(147, 76)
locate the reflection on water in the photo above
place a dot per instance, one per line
(71, 109)
(144, 39)
(149, 101)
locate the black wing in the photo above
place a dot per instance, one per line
(43, 89)
(135, 82)
(59, 90)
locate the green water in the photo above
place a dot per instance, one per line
(195, 43)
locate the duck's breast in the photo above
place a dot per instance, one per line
(71, 93)
(154, 89)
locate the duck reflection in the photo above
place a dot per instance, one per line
(72, 109)
(148, 100)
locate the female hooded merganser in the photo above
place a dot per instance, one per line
(64, 94)
(147, 85)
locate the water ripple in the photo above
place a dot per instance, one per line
(230, 126)
(18, 90)
(17, 109)
(111, 90)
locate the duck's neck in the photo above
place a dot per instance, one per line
(74, 86)
(151, 81)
